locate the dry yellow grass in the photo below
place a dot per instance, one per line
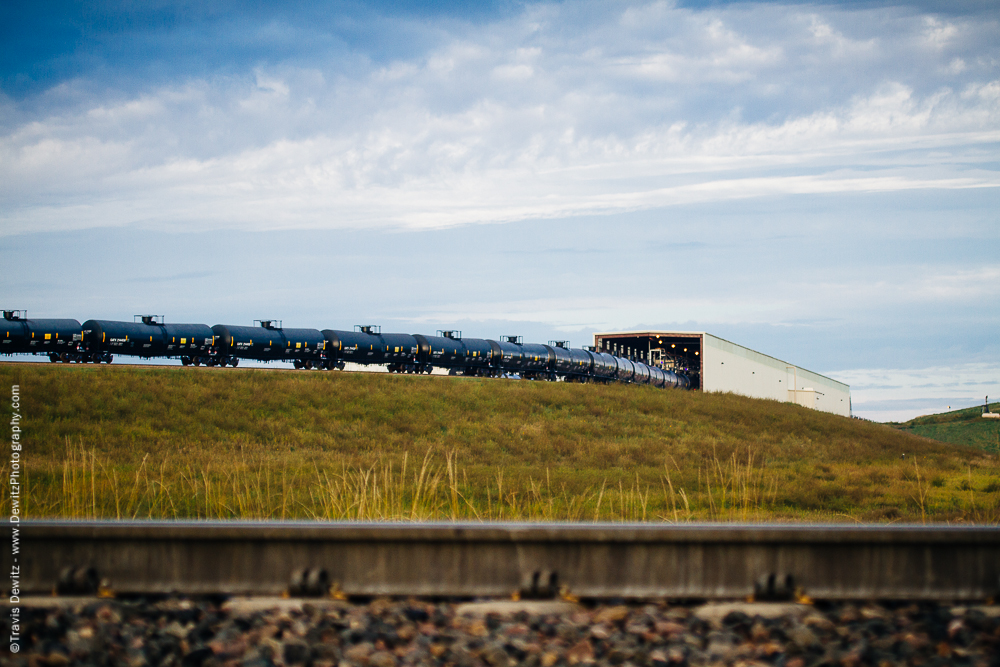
(121, 442)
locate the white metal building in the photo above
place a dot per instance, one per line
(715, 364)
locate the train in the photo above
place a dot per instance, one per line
(149, 336)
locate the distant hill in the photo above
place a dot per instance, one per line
(960, 427)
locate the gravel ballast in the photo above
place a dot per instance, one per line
(385, 633)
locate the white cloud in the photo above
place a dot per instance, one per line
(840, 45)
(513, 72)
(939, 33)
(271, 84)
(975, 285)
(894, 394)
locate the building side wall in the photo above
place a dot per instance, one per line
(730, 367)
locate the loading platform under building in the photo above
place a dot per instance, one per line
(715, 364)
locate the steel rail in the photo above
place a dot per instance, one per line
(687, 561)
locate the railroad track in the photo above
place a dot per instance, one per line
(586, 561)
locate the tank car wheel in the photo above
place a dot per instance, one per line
(234, 362)
(297, 364)
(308, 365)
(197, 361)
(185, 361)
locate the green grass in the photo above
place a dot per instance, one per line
(126, 442)
(961, 427)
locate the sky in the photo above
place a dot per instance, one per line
(816, 181)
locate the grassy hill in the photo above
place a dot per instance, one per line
(122, 442)
(961, 427)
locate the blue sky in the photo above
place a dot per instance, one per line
(817, 181)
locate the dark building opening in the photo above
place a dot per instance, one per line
(679, 352)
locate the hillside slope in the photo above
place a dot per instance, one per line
(183, 442)
(961, 427)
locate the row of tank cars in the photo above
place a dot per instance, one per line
(97, 341)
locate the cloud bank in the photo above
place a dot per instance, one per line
(555, 111)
